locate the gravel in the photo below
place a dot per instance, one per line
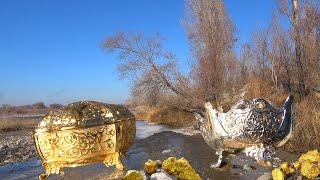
(16, 146)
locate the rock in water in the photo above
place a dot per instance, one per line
(150, 166)
(159, 163)
(180, 168)
(133, 175)
(168, 165)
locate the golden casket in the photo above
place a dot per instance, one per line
(84, 133)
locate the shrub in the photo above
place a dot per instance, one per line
(306, 134)
(56, 106)
(38, 105)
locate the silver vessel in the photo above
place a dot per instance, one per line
(252, 126)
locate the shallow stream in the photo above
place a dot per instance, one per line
(152, 142)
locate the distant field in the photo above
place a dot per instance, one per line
(17, 122)
(14, 118)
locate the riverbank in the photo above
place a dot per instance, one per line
(153, 141)
(16, 146)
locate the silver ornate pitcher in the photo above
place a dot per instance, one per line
(252, 126)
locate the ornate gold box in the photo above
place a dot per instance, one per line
(84, 133)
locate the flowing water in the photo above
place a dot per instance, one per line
(152, 142)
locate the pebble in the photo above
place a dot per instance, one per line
(159, 163)
(17, 148)
(162, 176)
(166, 151)
(266, 176)
(26, 157)
(248, 168)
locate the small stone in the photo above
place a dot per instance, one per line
(166, 151)
(159, 163)
(150, 166)
(133, 175)
(26, 157)
(248, 168)
(277, 174)
(299, 178)
(266, 176)
(161, 176)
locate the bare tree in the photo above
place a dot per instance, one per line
(245, 58)
(211, 36)
(145, 60)
(302, 12)
(39, 105)
(56, 106)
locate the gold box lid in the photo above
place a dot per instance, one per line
(83, 114)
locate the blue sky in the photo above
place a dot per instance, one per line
(50, 49)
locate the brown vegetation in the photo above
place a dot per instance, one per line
(14, 124)
(23, 117)
(165, 115)
(276, 62)
(38, 108)
(307, 127)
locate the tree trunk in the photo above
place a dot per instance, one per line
(297, 39)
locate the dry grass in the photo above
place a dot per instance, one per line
(168, 116)
(12, 124)
(306, 134)
(257, 87)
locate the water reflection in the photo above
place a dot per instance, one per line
(152, 142)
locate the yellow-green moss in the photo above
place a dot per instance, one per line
(277, 174)
(310, 156)
(180, 168)
(133, 175)
(150, 166)
(309, 169)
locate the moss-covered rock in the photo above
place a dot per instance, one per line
(310, 156)
(168, 165)
(310, 170)
(133, 175)
(277, 174)
(286, 168)
(297, 165)
(180, 168)
(150, 166)
(184, 171)
(308, 165)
